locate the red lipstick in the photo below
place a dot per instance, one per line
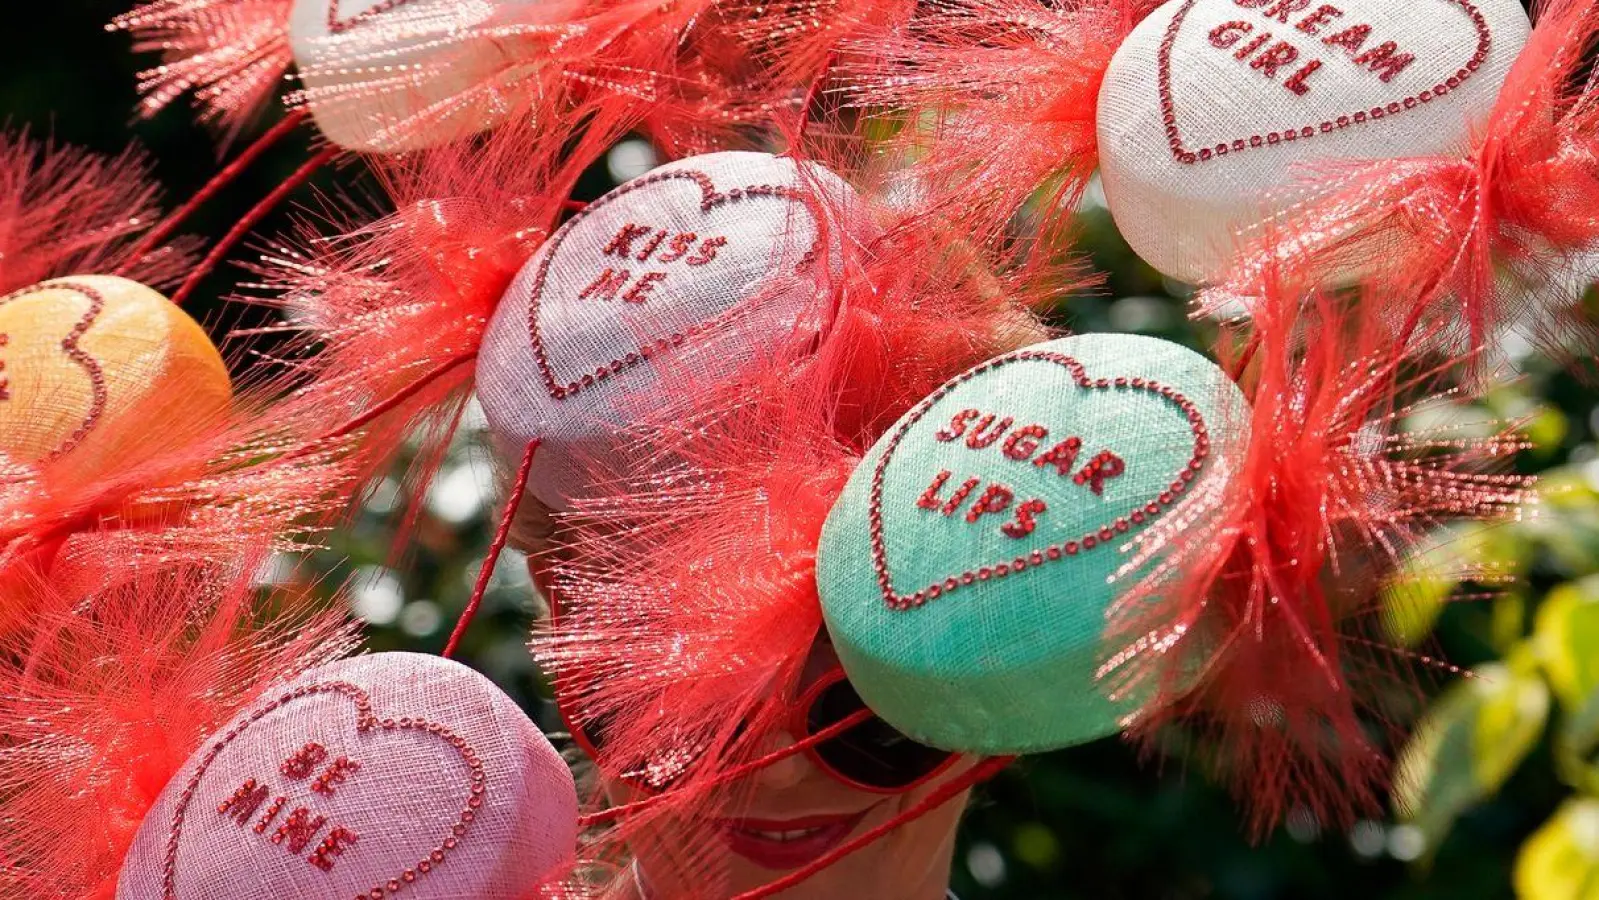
(788, 843)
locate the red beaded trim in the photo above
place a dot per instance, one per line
(69, 346)
(711, 198)
(365, 722)
(1186, 156)
(338, 25)
(1095, 537)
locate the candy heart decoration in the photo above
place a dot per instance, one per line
(966, 570)
(1213, 111)
(712, 258)
(393, 75)
(392, 774)
(86, 365)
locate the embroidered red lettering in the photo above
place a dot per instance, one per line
(960, 496)
(1386, 60)
(337, 774)
(1312, 23)
(1297, 81)
(996, 499)
(1284, 9)
(650, 247)
(679, 248)
(707, 251)
(1026, 519)
(957, 425)
(1101, 468)
(298, 830)
(929, 498)
(1229, 33)
(1281, 54)
(622, 244)
(977, 440)
(245, 801)
(5, 384)
(332, 847)
(607, 285)
(1062, 456)
(1245, 51)
(1351, 39)
(640, 290)
(304, 761)
(271, 813)
(1023, 442)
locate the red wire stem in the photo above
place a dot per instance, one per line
(946, 792)
(737, 772)
(501, 535)
(396, 399)
(251, 219)
(211, 188)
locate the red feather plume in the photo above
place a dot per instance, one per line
(65, 211)
(1013, 89)
(1255, 621)
(231, 54)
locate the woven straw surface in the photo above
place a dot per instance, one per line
(732, 273)
(87, 362)
(1184, 218)
(1005, 661)
(404, 804)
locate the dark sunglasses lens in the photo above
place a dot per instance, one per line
(871, 753)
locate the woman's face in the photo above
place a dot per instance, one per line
(792, 813)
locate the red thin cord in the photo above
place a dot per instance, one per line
(250, 220)
(501, 535)
(394, 400)
(211, 188)
(984, 770)
(735, 773)
(810, 98)
(1247, 357)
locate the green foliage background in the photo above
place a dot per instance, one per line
(1508, 752)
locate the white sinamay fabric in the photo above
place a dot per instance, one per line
(387, 76)
(414, 725)
(686, 271)
(1186, 217)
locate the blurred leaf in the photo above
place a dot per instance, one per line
(1561, 860)
(1567, 520)
(1036, 845)
(1566, 641)
(1469, 743)
(1416, 596)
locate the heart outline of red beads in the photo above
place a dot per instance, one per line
(366, 721)
(337, 24)
(710, 199)
(1094, 537)
(75, 352)
(1183, 154)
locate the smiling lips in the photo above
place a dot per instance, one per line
(787, 844)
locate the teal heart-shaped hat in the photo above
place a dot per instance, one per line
(967, 569)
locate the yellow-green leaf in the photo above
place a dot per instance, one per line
(1566, 641)
(1561, 860)
(1415, 597)
(1468, 744)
